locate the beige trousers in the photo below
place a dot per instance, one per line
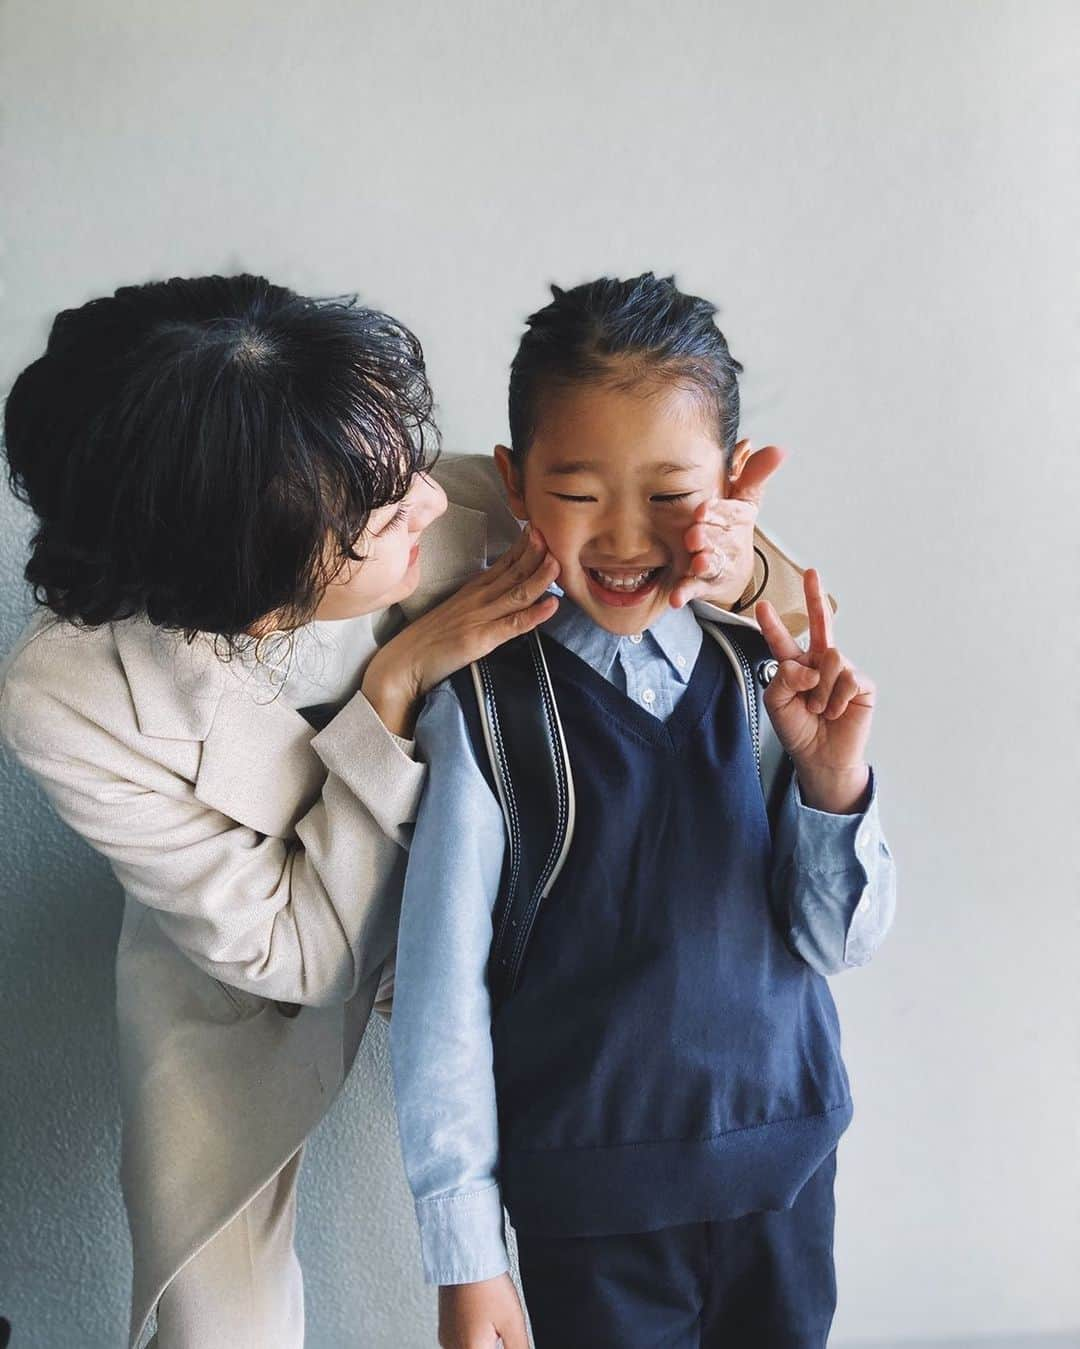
(243, 1290)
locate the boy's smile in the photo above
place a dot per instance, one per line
(612, 479)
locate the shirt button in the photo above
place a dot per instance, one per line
(648, 697)
(680, 661)
(635, 637)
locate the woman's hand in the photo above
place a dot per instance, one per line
(481, 1315)
(720, 539)
(494, 605)
(820, 706)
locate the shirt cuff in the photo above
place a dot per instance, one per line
(376, 765)
(838, 881)
(825, 842)
(461, 1236)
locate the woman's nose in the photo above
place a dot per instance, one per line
(430, 503)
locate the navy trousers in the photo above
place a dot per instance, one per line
(764, 1281)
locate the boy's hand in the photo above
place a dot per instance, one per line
(720, 538)
(482, 1315)
(820, 707)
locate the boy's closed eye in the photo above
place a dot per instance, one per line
(665, 498)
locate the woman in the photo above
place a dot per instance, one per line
(235, 524)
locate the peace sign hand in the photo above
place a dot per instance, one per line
(820, 706)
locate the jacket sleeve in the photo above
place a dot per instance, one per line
(302, 920)
(833, 883)
(440, 1032)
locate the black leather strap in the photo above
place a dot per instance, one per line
(528, 761)
(759, 666)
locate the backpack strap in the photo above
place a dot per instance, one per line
(530, 769)
(754, 666)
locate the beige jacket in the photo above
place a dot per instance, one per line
(261, 863)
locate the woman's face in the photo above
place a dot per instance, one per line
(390, 548)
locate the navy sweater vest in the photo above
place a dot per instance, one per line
(664, 1058)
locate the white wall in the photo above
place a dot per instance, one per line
(884, 199)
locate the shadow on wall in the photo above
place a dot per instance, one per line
(65, 1264)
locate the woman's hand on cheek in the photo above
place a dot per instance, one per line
(720, 539)
(494, 605)
(820, 706)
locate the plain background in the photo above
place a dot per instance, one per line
(883, 198)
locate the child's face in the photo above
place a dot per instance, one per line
(612, 480)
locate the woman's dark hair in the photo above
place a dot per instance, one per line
(208, 451)
(624, 334)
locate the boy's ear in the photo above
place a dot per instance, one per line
(739, 456)
(512, 480)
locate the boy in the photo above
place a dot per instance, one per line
(659, 1098)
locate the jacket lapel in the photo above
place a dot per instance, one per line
(185, 691)
(246, 736)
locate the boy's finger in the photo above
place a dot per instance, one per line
(791, 679)
(758, 469)
(845, 688)
(817, 608)
(830, 667)
(514, 1337)
(781, 643)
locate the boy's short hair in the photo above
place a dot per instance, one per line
(206, 451)
(624, 334)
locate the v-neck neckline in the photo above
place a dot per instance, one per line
(709, 669)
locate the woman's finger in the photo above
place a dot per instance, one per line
(514, 624)
(817, 608)
(529, 544)
(706, 569)
(725, 512)
(513, 568)
(520, 588)
(711, 563)
(715, 520)
(758, 469)
(781, 643)
(684, 591)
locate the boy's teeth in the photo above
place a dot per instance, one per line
(624, 581)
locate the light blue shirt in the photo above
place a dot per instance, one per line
(832, 873)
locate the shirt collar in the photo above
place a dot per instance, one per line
(676, 635)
